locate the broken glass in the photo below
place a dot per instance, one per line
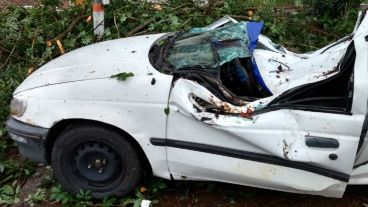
(209, 49)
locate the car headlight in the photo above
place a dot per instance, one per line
(18, 107)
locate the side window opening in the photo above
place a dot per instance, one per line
(332, 94)
(237, 76)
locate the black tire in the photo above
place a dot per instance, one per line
(96, 159)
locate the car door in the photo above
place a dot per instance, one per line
(288, 149)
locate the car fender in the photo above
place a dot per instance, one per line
(135, 106)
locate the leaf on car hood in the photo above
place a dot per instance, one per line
(122, 76)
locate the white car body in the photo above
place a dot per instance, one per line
(267, 151)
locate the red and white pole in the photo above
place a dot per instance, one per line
(98, 17)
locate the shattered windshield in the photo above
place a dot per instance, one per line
(208, 49)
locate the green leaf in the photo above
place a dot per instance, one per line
(122, 76)
(7, 189)
(17, 190)
(137, 203)
(167, 110)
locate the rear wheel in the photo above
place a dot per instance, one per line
(96, 159)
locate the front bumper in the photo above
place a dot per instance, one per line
(31, 140)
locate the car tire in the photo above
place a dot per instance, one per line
(97, 159)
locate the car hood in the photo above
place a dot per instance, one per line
(97, 61)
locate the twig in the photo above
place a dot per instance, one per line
(316, 29)
(140, 27)
(6, 180)
(241, 17)
(4, 49)
(310, 46)
(133, 18)
(219, 3)
(139, 33)
(21, 174)
(8, 51)
(71, 26)
(322, 32)
(34, 39)
(212, 4)
(116, 25)
(181, 6)
(186, 22)
(12, 51)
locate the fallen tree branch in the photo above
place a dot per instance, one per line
(186, 22)
(116, 26)
(12, 51)
(140, 27)
(141, 32)
(212, 4)
(322, 31)
(34, 39)
(181, 6)
(3, 49)
(219, 3)
(240, 17)
(70, 28)
(133, 18)
(313, 28)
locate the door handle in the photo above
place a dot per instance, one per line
(321, 142)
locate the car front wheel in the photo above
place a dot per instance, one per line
(97, 159)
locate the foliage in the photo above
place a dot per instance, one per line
(83, 198)
(28, 40)
(331, 8)
(123, 76)
(52, 3)
(9, 194)
(38, 196)
(108, 202)
(155, 187)
(59, 195)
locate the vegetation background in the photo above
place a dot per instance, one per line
(28, 39)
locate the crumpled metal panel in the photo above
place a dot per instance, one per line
(211, 48)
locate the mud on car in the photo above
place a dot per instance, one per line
(220, 103)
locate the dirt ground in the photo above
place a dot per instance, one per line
(214, 194)
(224, 195)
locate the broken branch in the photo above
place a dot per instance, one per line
(141, 32)
(116, 26)
(140, 27)
(322, 31)
(133, 18)
(181, 6)
(12, 51)
(241, 17)
(70, 28)
(186, 22)
(4, 49)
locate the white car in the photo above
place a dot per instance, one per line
(206, 104)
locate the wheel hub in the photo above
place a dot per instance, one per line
(97, 162)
